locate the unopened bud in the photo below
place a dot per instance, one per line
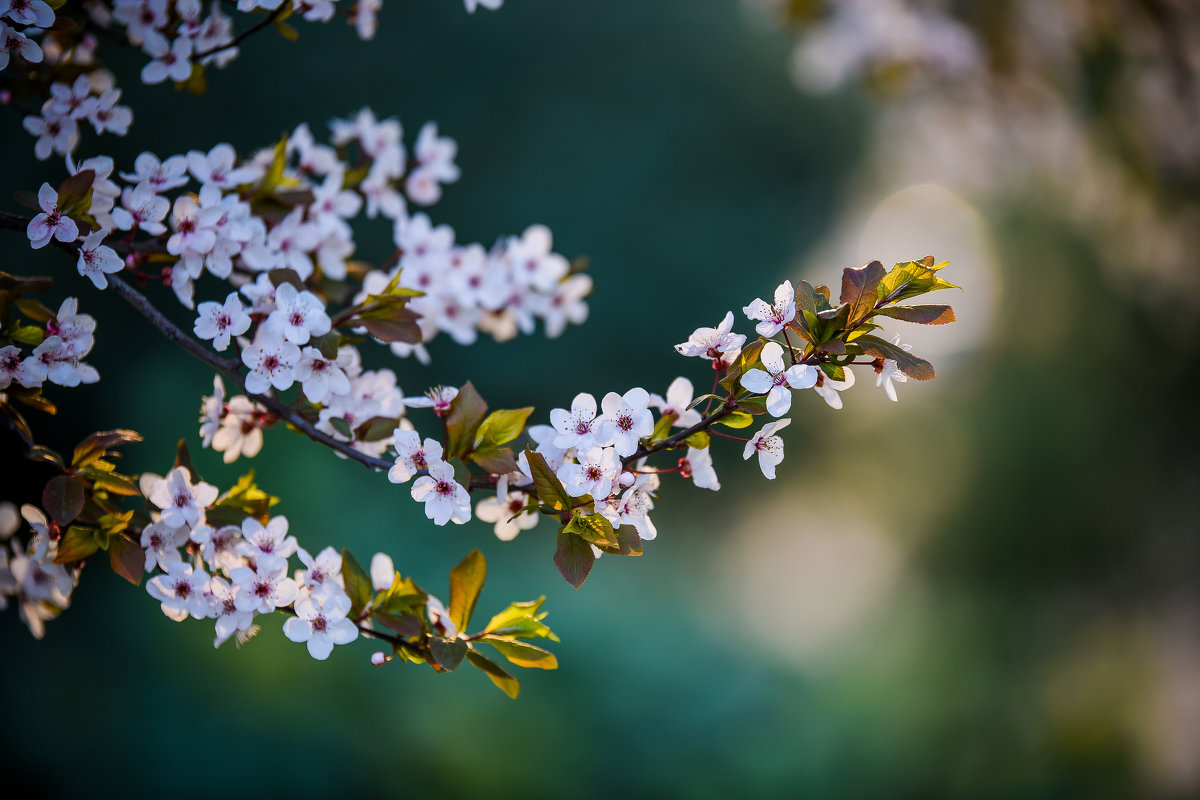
(627, 479)
(378, 658)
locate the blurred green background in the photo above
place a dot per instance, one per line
(985, 590)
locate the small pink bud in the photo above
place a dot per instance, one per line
(377, 658)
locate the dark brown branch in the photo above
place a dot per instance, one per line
(230, 371)
(246, 34)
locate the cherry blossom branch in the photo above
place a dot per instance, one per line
(230, 371)
(728, 407)
(246, 34)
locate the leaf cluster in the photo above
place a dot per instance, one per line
(401, 615)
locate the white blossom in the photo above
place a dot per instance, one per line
(161, 543)
(776, 316)
(265, 588)
(51, 223)
(181, 501)
(181, 591)
(412, 456)
(698, 466)
(321, 625)
(219, 321)
(768, 446)
(230, 618)
(96, 260)
(579, 427)
(719, 345)
(444, 498)
(830, 390)
(504, 510)
(774, 381)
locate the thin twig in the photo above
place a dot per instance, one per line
(246, 34)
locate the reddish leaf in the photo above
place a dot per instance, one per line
(126, 559)
(63, 498)
(574, 558)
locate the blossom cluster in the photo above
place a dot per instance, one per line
(597, 450)
(237, 572)
(40, 588)
(66, 339)
(179, 37)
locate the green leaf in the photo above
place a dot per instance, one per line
(116, 484)
(466, 581)
(403, 597)
(40, 453)
(115, 522)
(910, 279)
(753, 405)
(94, 446)
(809, 299)
(913, 366)
(34, 310)
(498, 461)
(341, 426)
(27, 334)
(594, 528)
(76, 544)
(274, 173)
(126, 558)
(74, 194)
(447, 653)
(834, 371)
(501, 427)
(523, 654)
(403, 624)
(698, 440)
(391, 323)
(184, 459)
(746, 360)
(507, 683)
(286, 30)
(736, 419)
(375, 429)
(629, 542)
(662, 428)
(522, 620)
(574, 558)
(858, 289)
(466, 413)
(549, 488)
(279, 276)
(63, 498)
(357, 583)
(327, 344)
(922, 315)
(246, 497)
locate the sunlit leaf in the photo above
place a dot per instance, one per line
(466, 581)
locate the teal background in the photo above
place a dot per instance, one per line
(1029, 627)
